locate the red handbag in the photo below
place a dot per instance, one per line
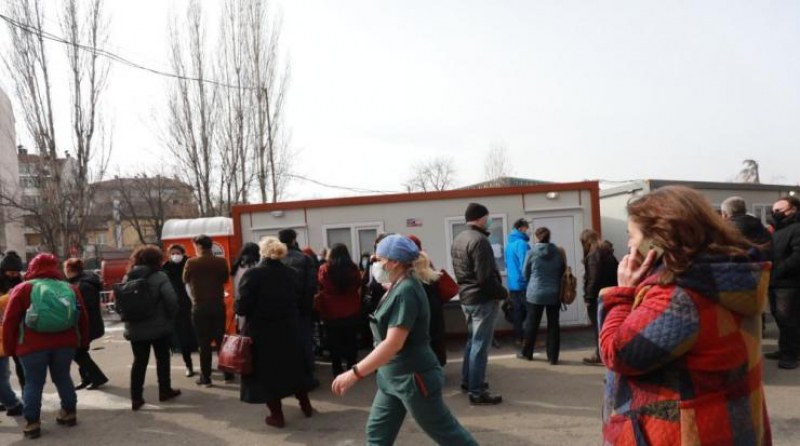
(236, 355)
(446, 287)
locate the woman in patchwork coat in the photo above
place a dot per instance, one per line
(681, 333)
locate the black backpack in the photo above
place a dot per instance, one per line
(134, 301)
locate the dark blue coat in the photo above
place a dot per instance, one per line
(544, 267)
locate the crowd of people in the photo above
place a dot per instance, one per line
(677, 320)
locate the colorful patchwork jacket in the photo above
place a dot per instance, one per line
(684, 359)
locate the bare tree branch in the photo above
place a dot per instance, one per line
(497, 164)
(749, 173)
(61, 185)
(437, 174)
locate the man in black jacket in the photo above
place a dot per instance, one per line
(734, 210)
(785, 281)
(480, 290)
(307, 284)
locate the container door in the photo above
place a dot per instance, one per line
(564, 232)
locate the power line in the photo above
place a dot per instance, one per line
(351, 189)
(114, 57)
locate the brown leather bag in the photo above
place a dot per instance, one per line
(569, 284)
(236, 355)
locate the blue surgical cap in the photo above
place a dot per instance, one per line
(399, 248)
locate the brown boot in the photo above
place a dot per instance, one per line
(66, 418)
(305, 404)
(593, 360)
(33, 429)
(275, 417)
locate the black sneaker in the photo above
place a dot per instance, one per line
(465, 387)
(521, 355)
(773, 355)
(485, 399)
(788, 363)
(97, 384)
(203, 381)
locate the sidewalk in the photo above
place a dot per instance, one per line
(543, 405)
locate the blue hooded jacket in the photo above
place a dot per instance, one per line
(516, 249)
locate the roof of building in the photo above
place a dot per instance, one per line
(652, 184)
(506, 182)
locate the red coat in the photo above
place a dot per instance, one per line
(43, 266)
(334, 304)
(684, 359)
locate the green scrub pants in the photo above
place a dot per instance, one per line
(421, 395)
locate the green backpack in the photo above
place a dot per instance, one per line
(54, 306)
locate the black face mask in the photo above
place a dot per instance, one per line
(13, 281)
(778, 217)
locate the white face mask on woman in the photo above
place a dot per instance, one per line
(380, 274)
(176, 258)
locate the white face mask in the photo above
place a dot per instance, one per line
(176, 258)
(380, 274)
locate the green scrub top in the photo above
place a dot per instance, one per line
(406, 305)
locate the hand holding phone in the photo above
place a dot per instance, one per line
(635, 266)
(646, 246)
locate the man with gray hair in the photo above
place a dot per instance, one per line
(734, 210)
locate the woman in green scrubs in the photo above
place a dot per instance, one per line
(409, 376)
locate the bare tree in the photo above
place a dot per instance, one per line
(228, 135)
(271, 79)
(191, 132)
(147, 202)
(88, 76)
(749, 173)
(62, 185)
(233, 68)
(437, 174)
(497, 164)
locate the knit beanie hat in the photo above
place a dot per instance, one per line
(399, 248)
(11, 262)
(475, 211)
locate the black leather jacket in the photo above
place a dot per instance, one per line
(475, 269)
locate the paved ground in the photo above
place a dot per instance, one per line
(544, 405)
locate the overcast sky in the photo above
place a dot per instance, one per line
(576, 90)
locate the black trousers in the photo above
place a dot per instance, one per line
(591, 310)
(209, 325)
(343, 342)
(532, 321)
(90, 372)
(785, 306)
(141, 356)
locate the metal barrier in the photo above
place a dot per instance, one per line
(107, 302)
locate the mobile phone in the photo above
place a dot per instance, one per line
(647, 245)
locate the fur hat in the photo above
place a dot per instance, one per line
(475, 211)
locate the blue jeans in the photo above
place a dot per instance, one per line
(480, 324)
(36, 365)
(7, 396)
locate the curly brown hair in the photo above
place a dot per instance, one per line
(682, 222)
(147, 255)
